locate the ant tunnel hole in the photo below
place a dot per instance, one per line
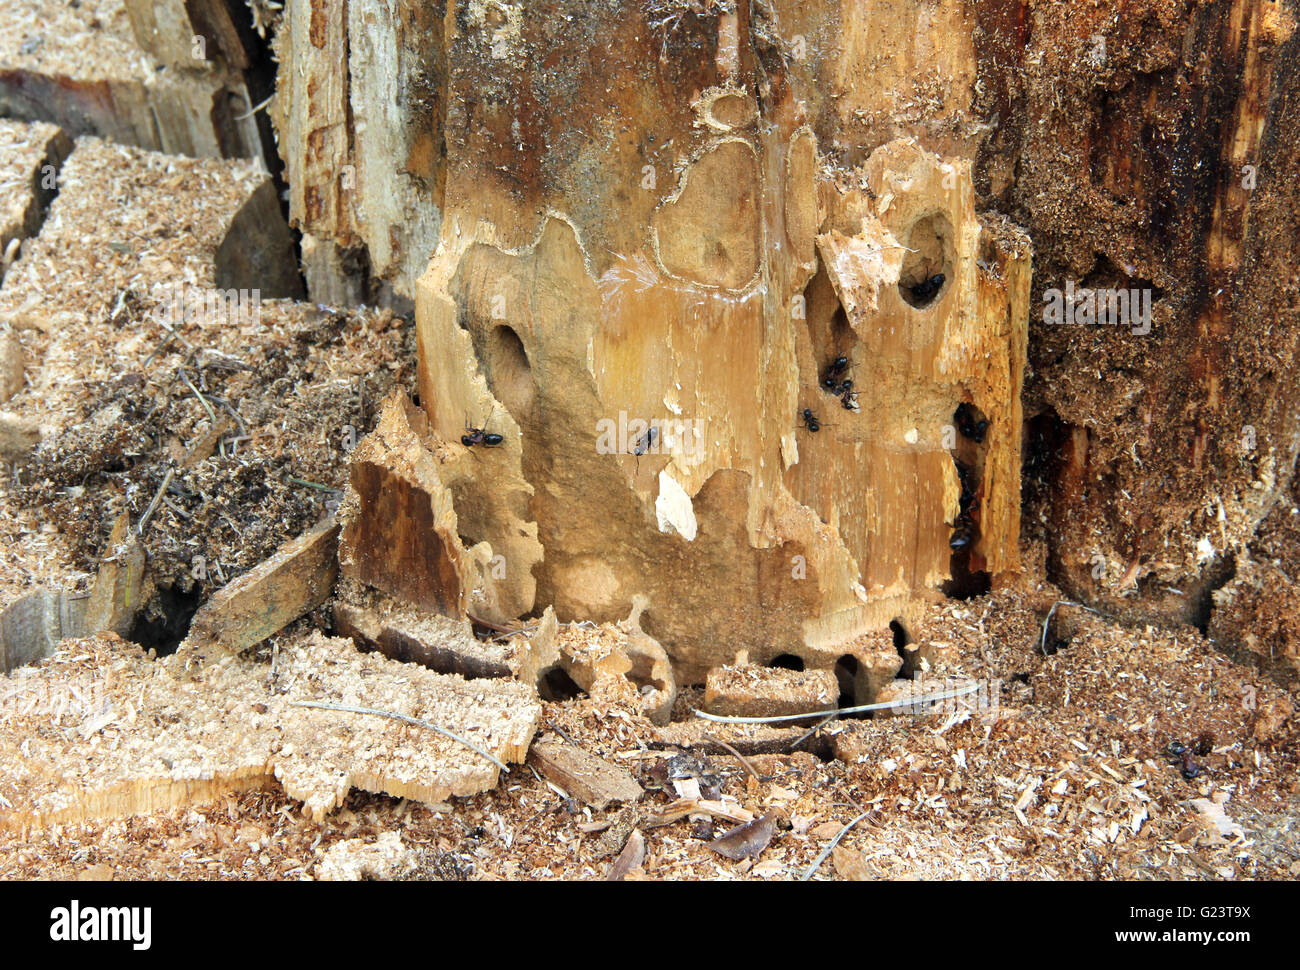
(509, 374)
(787, 661)
(642, 674)
(1045, 437)
(165, 620)
(902, 638)
(555, 684)
(968, 581)
(928, 263)
(847, 669)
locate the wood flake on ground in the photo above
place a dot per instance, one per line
(100, 730)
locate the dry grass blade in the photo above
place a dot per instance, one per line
(406, 719)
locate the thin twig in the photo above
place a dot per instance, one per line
(406, 719)
(881, 706)
(743, 760)
(197, 393)
(562, 733)
(148, 513)
(315, 485)
(811, 731)
(488, 623)
(830, 847)
(1052, 612)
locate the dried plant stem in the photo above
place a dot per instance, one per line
(882, 706)
(404, 718)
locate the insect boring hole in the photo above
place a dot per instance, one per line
(968, 451)
(555, 684)
(786, 661)
(509, 372)
(165, 619)
(928, 263)
(848, 673)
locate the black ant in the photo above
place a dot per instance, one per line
(963, 533)
(1179, 754)
(645, 442)
(926, 289)
(967, 479)
(831, 377)
(968, 426)
(810, 420)
(477, 436)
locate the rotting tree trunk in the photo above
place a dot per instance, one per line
(634, 236)
(677, 210)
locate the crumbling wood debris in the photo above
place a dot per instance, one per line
(11, 365)
(123, 585)
(629, 860)
(18, 436)
(33, 626)
(267, 598)
(101, 730)
(257, 253)
(81, 67)
(387, 858)
(754, 691)
(588, 778)
(746, 841)
(610, 657)
(129, 240)
(30, 158)
(614, 838)
(1257, 616)
(411, 635)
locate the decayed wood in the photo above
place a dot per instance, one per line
(707, 270)
(33, 626)
(748, 690)
(80, 67)
(377, 184)
(414, 636)
(267, 598)
(30, 158)
(161, 734)
(412, 511)
(18, 436)
(588, 778)
(167, 31)
(123, 585)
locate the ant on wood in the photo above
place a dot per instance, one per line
(810, 420)
(963, 533)
(968, 426)
(834, 382)
(924, 291)
(644, 444)
(477, 436)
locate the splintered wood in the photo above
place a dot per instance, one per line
(101, 730)
(263, 601)
(79, 66)
(30, 157)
